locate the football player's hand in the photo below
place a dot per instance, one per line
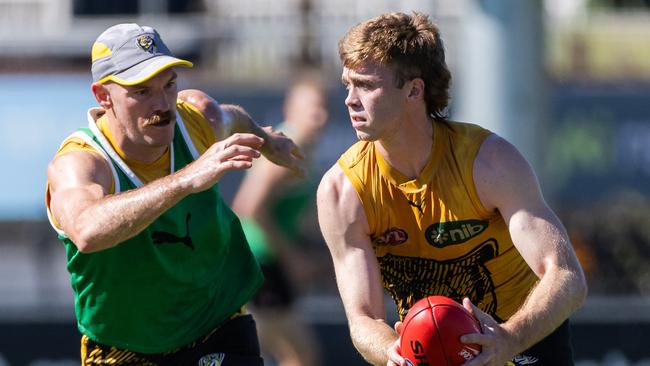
(394, 356)
(496, 342)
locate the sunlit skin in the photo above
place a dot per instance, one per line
(393, 117)
(375, 104)
(396, 124)
(142, 117)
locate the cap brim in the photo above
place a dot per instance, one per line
(146, 70)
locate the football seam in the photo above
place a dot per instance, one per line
(438, 335)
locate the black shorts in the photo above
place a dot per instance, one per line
(554, 350)
(276, 291)
(234, 343)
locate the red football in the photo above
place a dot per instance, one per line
(432, 330)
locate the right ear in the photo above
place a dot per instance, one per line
(102, 95)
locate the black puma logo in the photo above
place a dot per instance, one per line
(162, 237)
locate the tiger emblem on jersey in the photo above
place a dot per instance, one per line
(408, 279)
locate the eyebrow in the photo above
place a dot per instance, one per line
(173, 77)
(356, 79)
(144, 85)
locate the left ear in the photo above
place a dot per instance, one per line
(102, 95)
(416, 88)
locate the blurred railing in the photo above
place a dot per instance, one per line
(259, 40)
(33, 20)
(602, 45)
(242, 40)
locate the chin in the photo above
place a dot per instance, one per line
(160, 141)
(365, 137)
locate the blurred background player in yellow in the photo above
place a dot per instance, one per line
(273, 206)
(159, 264)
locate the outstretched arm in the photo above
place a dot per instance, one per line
(227, 119)
(94, 219)
(506, 183)
(345, 229)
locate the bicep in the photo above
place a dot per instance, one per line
(76, 180)
(345, 229)
(506, 183)
(541, 239)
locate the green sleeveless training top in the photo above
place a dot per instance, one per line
(288, 211)
(186, 273)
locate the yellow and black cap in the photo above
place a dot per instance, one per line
(129, 54)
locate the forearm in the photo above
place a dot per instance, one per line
(555, 297)
(372, 338)
(118, 217)
(236, 120)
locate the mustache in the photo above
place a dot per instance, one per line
(159, 117)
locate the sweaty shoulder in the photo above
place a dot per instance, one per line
(76, 150)
(500, 171)
(338, 200)
(79, 166)
(74, 169)
(333, 183)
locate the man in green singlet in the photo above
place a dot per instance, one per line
(159, 264)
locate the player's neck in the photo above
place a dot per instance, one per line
(408, 149)
(141, 153)
(132, 151)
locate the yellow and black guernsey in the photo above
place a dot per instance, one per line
(181, 277)
(432, 235)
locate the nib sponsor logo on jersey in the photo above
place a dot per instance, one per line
(391, 237)
(443, 234)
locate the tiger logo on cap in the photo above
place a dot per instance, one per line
(146, 43)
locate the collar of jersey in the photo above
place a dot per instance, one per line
(420, 183)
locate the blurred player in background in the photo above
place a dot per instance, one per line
(274, 206)
(427, 206)
(159, 264)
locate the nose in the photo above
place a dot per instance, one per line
(162, 102)
(352, 99)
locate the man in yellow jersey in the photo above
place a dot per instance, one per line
(159, 264)
(426, 206)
